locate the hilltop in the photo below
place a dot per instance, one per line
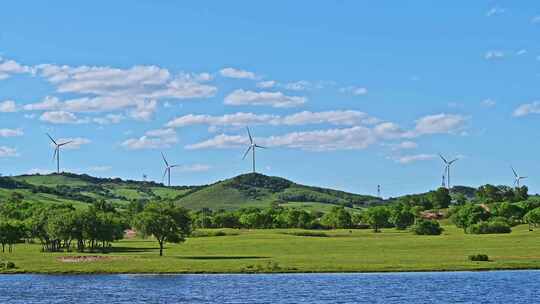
(247, 190)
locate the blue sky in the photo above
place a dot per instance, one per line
(346, 94)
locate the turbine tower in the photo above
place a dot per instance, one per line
(252, 147)
(167, 170)
(56, 154)
(448, 165)
(517, 178)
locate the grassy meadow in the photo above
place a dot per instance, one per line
(279, 250)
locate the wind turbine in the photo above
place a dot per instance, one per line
(167, 169)
(448, 165)
(252, 146)
(517, 178)
(56, 154)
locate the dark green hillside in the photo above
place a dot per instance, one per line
(248, 190)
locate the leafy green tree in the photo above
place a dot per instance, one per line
(532, 218)
(521, 194)
(489, 194)
(441, 198)
(166, 222)
(401, 216)
(513, 213)
(337, 218)
(424, 227)
(11, 232)
(468, 215)
(460, 199)
(377, 217)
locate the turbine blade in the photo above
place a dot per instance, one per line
(247, 151)
(260, 147)
(164, 159)
(453, 161)
(51, 138)
(249, 134)
(164, 174)
(444, 159)
(55, 152)
(513, 170)
(67, 142)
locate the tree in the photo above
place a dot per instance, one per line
(424, 227)
(468, 215)
(441, 198)
(377, 217)
(11, 232)
(401, 216)
(460, 199)
(337, 218)
(164, 221)
(532, 218)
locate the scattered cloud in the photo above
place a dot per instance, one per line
(527, 109)
(60, 117)
(8, 106)
(535, 19)
(237, 73)
(273, 99)
(488, 103)
(438, 124)
(405, 145)
(109, 119)
(495, 11)
(75, 142)
(337, 117)
(10, 67)
(193, 168)
(301, 85)
(407, 159)
(8, 152)
(100, 168)
(494, 54)
(11, 132)
(153, 139)
(354, 90)
(521, 52)
(266, 84)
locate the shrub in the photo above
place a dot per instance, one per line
(479, 258)
(490, 227)
(424, 227)
(7, 265)
(308, 233)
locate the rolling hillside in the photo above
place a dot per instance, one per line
(248, 190)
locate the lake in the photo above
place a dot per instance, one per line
(429, 287)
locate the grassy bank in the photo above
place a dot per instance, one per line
(291, 251)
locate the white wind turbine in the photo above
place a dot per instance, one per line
(518, 178)
(448, 165)
(252, 147)
(167, 169)
(56, 154)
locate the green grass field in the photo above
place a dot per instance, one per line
(275, 251)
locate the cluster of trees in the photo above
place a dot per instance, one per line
(496, 217)
(492, 194)
(60, 226)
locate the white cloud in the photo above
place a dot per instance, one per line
(489, 103)
(320, 140)
(406, 145)
(109, 119)
(49, 103)
(354, 90)
(273, 99)
(301, 85)
(521, 52)
(407, 159)
(144, 110)
(535, 19)
(494, 11)
(266, 84)
(8, 152)
(494, 54)
(11, 132)
(337, 117)
(193, 168)
(438, 124)
(75, 142)
(8, 106)
(237, 73)
(153, 139)
(527, 109)
(10, 67)
(60, 117)
(99, 168)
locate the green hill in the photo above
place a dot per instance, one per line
(248, 190)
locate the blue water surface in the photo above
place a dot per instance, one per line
(429, 287)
